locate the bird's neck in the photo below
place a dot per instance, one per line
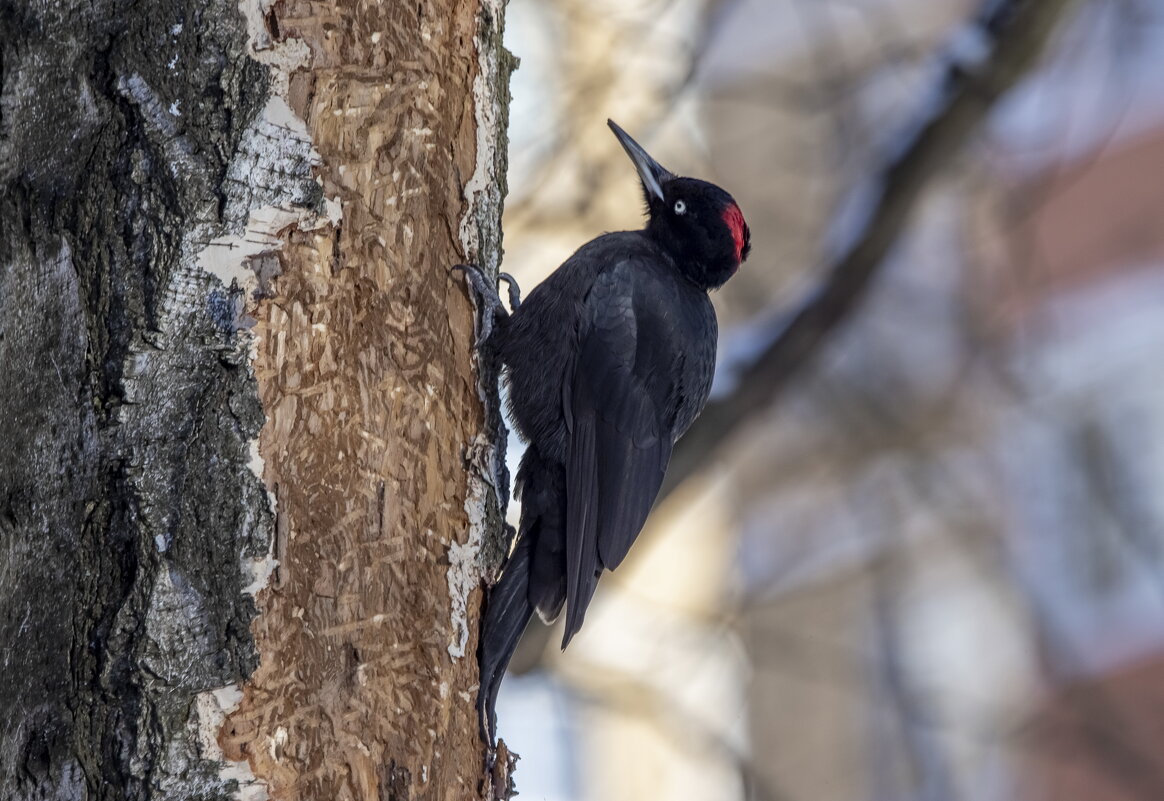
(704, 271)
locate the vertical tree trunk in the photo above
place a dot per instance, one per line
(246, 474)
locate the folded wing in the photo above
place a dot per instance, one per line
(619, 436)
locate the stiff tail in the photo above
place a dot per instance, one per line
(506, 615)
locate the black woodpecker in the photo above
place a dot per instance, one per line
(608, 361)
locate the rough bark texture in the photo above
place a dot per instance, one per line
(126, 503)
(153, 182)
(366, 641)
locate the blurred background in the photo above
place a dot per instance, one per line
(928, 562)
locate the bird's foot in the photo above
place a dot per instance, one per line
(490, 309)
(514, 290)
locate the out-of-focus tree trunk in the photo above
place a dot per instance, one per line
(246, 473)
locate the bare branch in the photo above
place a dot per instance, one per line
(1019, 31)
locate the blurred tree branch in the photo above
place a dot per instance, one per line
(622, 693)
(1016, 33)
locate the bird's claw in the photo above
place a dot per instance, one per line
(487, 300)
(514, 290)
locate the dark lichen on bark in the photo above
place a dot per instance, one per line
(126, 500)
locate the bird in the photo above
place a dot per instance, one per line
(607, 363)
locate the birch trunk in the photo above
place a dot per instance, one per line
(246, 473)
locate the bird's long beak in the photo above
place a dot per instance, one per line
(651, 173)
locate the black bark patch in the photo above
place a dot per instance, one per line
(126, 500)
(395, 783)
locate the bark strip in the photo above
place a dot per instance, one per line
(366, 677)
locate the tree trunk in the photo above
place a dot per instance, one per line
(247, 478)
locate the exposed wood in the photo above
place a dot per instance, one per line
(366, 651)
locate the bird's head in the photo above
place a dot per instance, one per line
(697, 223)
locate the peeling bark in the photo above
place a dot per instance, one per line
(248, 480)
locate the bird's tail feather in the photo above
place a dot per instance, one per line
(506, 615)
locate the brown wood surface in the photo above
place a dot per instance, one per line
(365, 684)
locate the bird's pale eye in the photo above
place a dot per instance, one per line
(680, 207)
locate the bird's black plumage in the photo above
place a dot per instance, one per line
(608, 361)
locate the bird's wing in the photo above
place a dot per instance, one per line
(618, 448)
